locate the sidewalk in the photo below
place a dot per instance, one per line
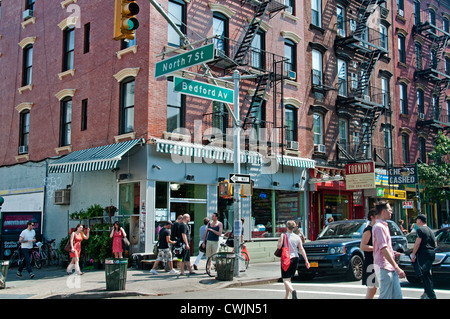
(54, 283)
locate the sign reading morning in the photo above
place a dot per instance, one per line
(360, 175)
(203, 90)
(185, 60)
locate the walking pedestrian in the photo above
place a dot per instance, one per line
(27, 238)
(212, 236)
(294, 242)
(164, 251)
(387, 270)
(368, 275)
(202, 232)
(175, 232)
(76, 238)
(117, 234)
(423, 256)
(185, 232)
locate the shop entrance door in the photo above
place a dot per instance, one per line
(197, 211)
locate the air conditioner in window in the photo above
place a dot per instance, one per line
(291, 75)
(292, 145)
(421, 116)
(319, 148)
(366, 97)
(27, 14)
(341, 32)
(23, 149)
(400, 12)
(61, 197)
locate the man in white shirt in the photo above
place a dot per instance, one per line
(27, 238)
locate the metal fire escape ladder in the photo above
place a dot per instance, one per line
(365, 10)
(368, 68)
(252, 30)
(262, 88)
(371, 117)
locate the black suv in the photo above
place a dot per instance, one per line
(336, 249)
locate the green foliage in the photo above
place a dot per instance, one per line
(435, 175)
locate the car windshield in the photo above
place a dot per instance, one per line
(443, 237)
(341, 230)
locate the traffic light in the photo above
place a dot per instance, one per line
(125, 22)
(225, 189)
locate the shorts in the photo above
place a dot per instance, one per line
(164, 255)
(211, 248)
(290, 272)
(186, 255)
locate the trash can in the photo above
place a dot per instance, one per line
(116, 273)
(4, 266)
(225, 266)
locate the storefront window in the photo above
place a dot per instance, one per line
(336, 206)
(271, 209)
(129, 198)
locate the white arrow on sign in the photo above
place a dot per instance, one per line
(241, 179)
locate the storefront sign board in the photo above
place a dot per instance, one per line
(395, 177)
(360, 175)
(408, 204)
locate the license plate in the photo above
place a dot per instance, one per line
(314, 264)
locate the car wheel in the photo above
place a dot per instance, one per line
(356, 268)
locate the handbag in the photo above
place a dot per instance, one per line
(201, 249)
(278, 251)
(125, 243)
(285, 255)
(67, 247)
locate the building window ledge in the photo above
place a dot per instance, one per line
(24, 88)
(66, 73)
(293, 83)
(29, 21)
(24, 158)
(290, 16)
(127, 50)
(65, 3)
(126, 136)
(61, 149)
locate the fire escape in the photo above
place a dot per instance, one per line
(267, 67)
(434, 69)
(366, 103)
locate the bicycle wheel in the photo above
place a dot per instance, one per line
(37, 260)
(14, 260)
(211, 266)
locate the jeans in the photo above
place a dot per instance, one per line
(389, 284)
(422, 266)
(26, 253)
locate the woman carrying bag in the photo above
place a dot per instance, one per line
(291, 241)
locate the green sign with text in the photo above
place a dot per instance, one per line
(203, 90)
(185, 60)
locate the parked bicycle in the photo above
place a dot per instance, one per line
(49, 253)
(211, 269)
(17, 258)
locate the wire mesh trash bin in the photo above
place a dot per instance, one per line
(225, 266)
(116, 273)
(4, 266)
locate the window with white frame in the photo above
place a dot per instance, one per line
(403, 91)
(317, 67)
(316, 13)
(318, 128)
(342, 77)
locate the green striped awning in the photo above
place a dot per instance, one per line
(295, 161)
(93, 159)
(205, 151)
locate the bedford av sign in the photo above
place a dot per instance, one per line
(203, 90)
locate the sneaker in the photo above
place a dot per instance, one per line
(19, 274)
(173, 272)
(31, 276)
(153, 272)
(424, 296)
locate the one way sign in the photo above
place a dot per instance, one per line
(240, 179)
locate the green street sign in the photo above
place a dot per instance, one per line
(203, 90)
(185, 60)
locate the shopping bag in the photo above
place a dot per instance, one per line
(285, 255)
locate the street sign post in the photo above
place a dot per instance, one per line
(240, 179)
(203, 90)
(185, 60)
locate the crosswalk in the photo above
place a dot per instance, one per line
(329, 291)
